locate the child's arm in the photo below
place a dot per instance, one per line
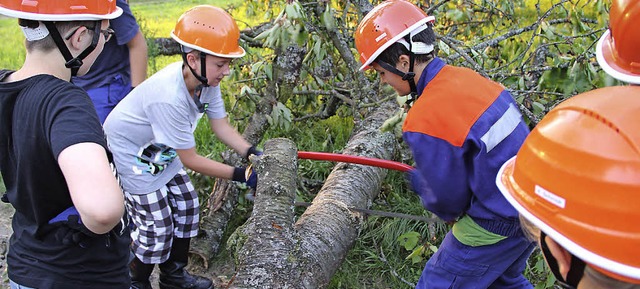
(211, 168)
(94, 190)
(229, 135)
(192, 160)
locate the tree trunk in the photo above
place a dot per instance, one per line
(224, 196)
(274, 252)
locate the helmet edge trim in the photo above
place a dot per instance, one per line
(207, 51)
(60, 17)
(608, 68)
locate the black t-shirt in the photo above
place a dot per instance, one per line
(39, 118)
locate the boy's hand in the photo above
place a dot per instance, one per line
(251, 177)
(245, 175)
(253, 151)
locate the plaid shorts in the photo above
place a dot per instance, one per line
(158, 217)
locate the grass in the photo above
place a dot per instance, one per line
(11, 48)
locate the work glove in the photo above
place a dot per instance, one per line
(246, 175)
(253, 151)
(71, 229)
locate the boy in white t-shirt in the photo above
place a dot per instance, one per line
(151, 135)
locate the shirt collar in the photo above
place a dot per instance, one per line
(429, 73)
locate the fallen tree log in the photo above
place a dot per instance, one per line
(274, 252)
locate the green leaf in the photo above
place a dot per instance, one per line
(416, 255)
(538, 108)
(294, 10)
(268, 70)
(456, 15)
(409, 240)
(444, 47)
(521, 84)
(327, 18)
(256, 67)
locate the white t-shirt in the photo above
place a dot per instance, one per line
(156, 118)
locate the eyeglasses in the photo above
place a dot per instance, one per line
(576, 269)
(107, 33)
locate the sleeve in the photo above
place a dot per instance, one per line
(170, 125)
(72, 119)
(444, 169)
(216, 109)
(125, 26)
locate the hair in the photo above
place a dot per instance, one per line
(47, 43)
(393, 53)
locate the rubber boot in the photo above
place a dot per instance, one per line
(140, 273)
(173, 274)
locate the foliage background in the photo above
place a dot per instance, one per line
(543, 51)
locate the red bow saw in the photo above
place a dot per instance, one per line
(318, 156)
(386, 164)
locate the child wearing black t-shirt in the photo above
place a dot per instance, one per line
(68, 227)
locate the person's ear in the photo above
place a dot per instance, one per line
(403, 63)
(80, 39)
(562, 256)
(193, 61)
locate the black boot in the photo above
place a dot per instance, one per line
(173, 274)
(140, 273)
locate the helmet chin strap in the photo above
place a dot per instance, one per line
(204, 82)
(74, 63)
(409, 76)
(413, 48)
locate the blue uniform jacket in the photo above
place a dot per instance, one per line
(461, 129)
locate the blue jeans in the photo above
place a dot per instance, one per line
(14, 285)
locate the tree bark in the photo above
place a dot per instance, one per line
(274, 252)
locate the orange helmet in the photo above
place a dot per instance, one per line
(577, 177)
(387, 24)
(209, 29)
(61, 10)
(618, 50)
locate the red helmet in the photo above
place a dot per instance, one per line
(577, 178)
(618, 50)
(61, 10)
(385, 25)
(209, 29)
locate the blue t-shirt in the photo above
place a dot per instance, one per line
(114, 59)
